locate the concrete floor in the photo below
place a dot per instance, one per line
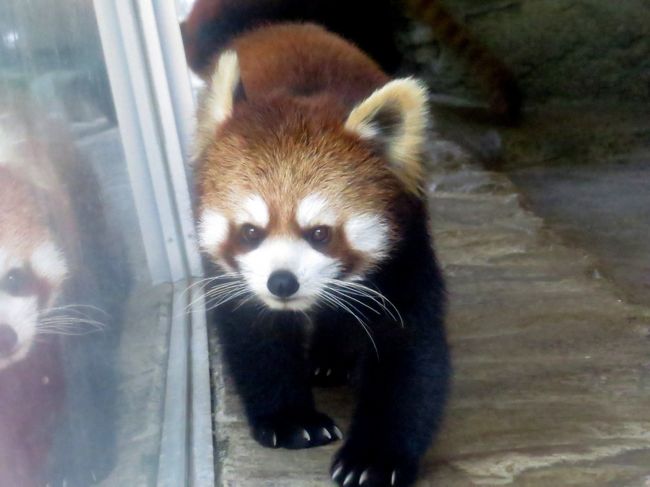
(552, 360)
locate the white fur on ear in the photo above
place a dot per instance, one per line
(218, 101)
(396, 115)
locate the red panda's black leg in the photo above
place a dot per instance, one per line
(332, 361)
(401, 399)
(403, 390)
(265, 354)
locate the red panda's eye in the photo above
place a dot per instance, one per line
(18, 282)
(320, 235)
(251, 234)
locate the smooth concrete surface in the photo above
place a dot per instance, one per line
(552, 363)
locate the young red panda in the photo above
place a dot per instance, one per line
(309, 175)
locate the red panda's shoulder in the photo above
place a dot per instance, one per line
(302, 59)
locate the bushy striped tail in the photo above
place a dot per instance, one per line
(505, 97)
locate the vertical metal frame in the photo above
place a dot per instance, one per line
(155, 108)
(117, 39)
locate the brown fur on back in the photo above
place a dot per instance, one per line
(304, 60)
(23, 224)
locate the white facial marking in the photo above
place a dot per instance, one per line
(213, 230)
(48, 263)
(255, 211)
(368, 233)
(310, 267)
(314, 210)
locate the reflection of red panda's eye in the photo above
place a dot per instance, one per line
(319, 235)
(18, 282)
(252, 235)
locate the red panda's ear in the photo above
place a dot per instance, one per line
(397, 117)
(224, 88)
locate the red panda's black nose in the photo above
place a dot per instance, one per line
(282, 283)
(8, 340)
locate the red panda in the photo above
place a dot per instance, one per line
(310, 206)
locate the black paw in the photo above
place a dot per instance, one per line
(326, 376)
(358, 466)
(295, 431)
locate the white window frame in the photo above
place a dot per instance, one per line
(155, 110)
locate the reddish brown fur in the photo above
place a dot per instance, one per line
(22, 221)
(302, 60)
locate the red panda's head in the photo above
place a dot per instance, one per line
(298, 194)
(32, 267)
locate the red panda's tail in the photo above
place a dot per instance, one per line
(498, 81)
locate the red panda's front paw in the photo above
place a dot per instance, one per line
(292, 431)
(357, 466)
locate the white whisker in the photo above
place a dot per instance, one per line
(68, 325)
(339, 303)
(372, 294)
(212, 292)
(342, 293)
(207, 281)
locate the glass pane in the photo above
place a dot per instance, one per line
(83, 331)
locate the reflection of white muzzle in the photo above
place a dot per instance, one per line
(287, 273)
(18, 323)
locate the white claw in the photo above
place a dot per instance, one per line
(275, 440)
(305, 435)
(317, 371)
(363, 478)
(393, 477)
(327, 434)
(348, 479)
(338, 433)
(337, 472)
(329, 372)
